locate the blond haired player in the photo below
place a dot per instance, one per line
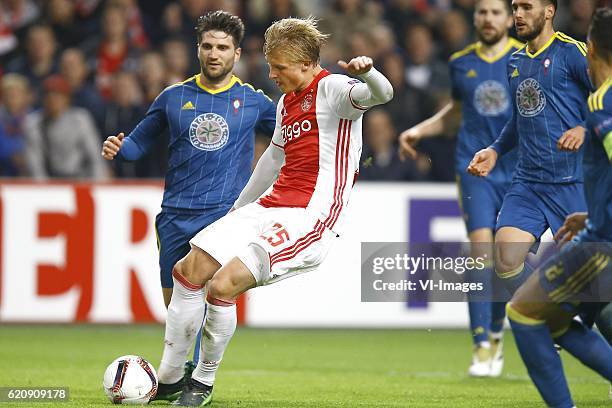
(316, 146)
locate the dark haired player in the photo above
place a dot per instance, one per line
(543, 308)
(481, 97)
(549, 87)
(212, 118)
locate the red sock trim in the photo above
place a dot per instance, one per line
(219, 302)
(184, 282)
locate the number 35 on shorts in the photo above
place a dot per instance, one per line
(276, 235)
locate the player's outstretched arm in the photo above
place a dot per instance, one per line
(483, 162)
(112, 145)
(375, 91)
(572, 139)
(572, 225)
(265, 173)
(433, 126)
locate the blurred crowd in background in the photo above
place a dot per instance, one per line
(73, 72)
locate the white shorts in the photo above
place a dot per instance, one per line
(274, 243)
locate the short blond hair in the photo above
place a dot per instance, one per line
(298, 39)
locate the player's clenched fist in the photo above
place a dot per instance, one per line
(483, 162)
(357, 66)
(111, 146)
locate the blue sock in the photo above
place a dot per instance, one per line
(543, 363)
(513, 283)
(604, 323)
(588, 347)
(480, 320)
(498, 314)
(196, 347)
(479, 307)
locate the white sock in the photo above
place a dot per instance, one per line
(219, 327)
(185, 314)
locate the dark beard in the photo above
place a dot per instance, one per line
(537, 29)
(492, 40)
(218, 77)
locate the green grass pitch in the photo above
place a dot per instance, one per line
(290, 368)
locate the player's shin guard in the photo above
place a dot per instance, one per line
(498, 315)
(479, 305)
(498, 309)
(588, 347)
(219, 327)
(185, 314)
(543, 363)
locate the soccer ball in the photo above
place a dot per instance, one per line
(130, 380)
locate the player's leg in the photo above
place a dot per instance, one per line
(479, 308)
(224, 288)
(173, 233)
(581, 268)
(520, 222)
(185, 313)
(289, 242)
(527, 316)
(479, 207)
(564, 276)
(511, 248)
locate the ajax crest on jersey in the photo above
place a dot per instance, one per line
(307, 102)
(530, 98)
(130, 380)
(209, 131)
(491, 98)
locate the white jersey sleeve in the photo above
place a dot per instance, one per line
(277, 137)
(350, 98)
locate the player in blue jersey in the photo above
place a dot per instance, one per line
(481, 95)
(541, 311)
(212, 118)
(549, 86)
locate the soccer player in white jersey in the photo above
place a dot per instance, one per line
(316, 146)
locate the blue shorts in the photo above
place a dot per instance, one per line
(534, 207)
(480, 200)
(580, 273)
(174, 230)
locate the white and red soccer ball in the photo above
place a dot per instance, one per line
(130, 380)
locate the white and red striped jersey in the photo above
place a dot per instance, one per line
(319, 129)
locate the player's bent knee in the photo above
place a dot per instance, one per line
(197, 267)
(221, 291)
(508, 263)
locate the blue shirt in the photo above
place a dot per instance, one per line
(598, 162)
(211, 140)
(480, 83)
(549, 89)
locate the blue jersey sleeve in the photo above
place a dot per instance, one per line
(267, 116)
(507, 140)
(578, 67)
(146, 133)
